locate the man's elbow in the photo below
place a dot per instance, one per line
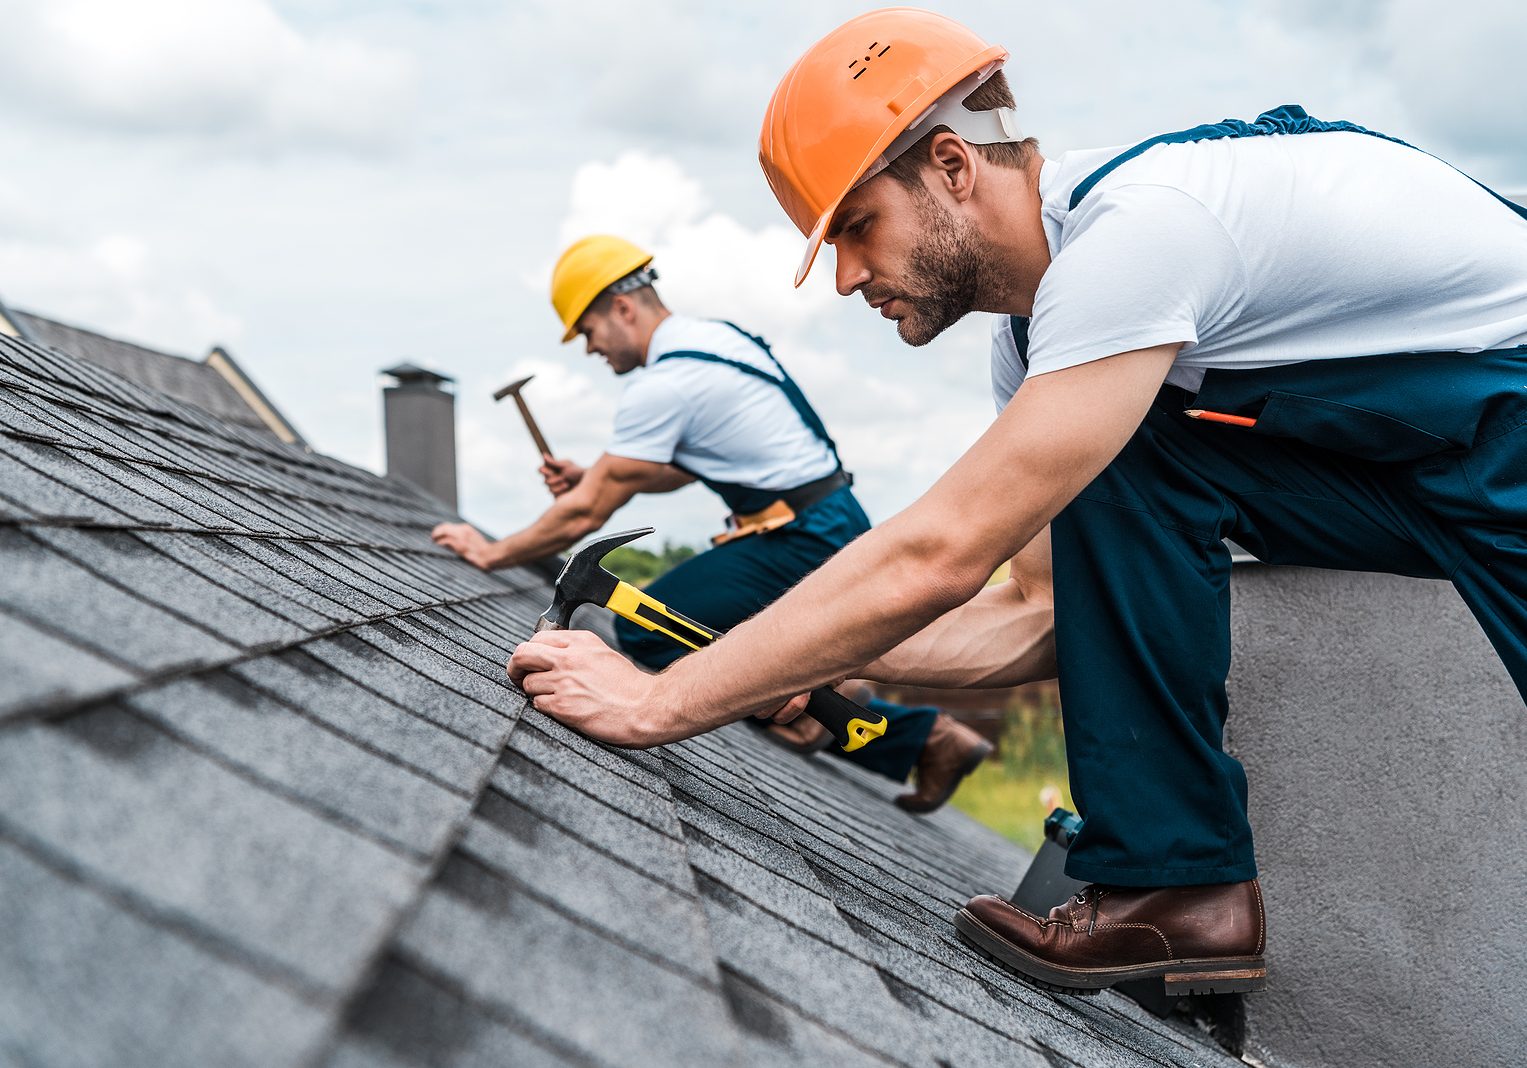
(939, 571)
(1030, 592)
(581, 523)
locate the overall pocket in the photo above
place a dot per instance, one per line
(1497, 475)
(1343, 428)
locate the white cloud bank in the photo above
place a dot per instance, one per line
(118, 279)
(710, 263)
(233, 69)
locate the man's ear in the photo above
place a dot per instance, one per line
(953, 165)
(624, 309)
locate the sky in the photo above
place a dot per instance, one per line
(332, 187)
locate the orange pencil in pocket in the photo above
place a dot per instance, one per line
(1220, 417)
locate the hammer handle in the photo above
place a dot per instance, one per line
(849, 722)
(530, 424)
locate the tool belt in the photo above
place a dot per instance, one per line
(790, 504)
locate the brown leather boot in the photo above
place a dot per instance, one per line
(951, 752)
(1197, 939)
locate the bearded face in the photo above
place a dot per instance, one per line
(606, 336)
(944, 277)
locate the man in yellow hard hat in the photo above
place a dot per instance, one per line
(705, 400)
(1299, 334)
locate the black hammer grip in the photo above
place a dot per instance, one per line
(849, 722)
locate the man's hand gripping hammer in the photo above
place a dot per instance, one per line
(584, 581)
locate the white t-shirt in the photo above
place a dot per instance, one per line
(1261, 251)
(712, 420)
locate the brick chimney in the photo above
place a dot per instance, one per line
(419, 424)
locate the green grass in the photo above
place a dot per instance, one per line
(1005, 792)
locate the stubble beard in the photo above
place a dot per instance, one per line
(949, 268)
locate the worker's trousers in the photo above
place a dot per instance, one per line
(1412, 464)
(725, 585)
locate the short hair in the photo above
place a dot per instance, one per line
(646, 296)
(990, 94)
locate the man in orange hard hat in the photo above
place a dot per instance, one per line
(1246, 330)
(704, 400)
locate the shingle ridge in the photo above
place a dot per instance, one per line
(78, 703)
(739, 976)
(85, 376)
(454, 846)
(552, 773)
(816, 887)
(169, 919)
(609, 934)
(117, 341)
(367, 975)
(589, 843)
(195, 425)
(522, 1025)
(705, 775)
(764, 805)
(361, 743)
(215, 479)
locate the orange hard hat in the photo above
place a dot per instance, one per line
(862, 95)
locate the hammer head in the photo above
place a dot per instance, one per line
(583, 581)
(511, 389)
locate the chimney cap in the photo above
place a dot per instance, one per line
(411, 374)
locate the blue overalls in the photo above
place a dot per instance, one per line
(728, 583)
(1414, 464)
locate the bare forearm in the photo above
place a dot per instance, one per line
(559, 527)
(816, 646)
(999, 638)
(1005, 636)
(1053, 439)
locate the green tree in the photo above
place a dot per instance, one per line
(641, 566)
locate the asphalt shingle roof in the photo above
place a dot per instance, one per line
(192, 381)
(267, 798)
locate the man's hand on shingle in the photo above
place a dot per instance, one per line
(574, 677)
(465, 541)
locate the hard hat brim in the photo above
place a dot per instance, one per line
(814, 243)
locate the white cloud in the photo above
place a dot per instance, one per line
(710, 263)
(231, 68)
(118, 285)
(1482, 113)
(643, 197)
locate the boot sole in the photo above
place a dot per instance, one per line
(1179, 978)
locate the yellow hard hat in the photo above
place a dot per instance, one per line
(586, 269)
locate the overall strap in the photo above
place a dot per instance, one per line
(1020, 328)
(1288, 119)
(785, 383)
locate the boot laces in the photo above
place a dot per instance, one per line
(1092, 895)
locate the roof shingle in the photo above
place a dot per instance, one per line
(267, 797)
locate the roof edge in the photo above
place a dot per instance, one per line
(221, 361)
(11, 326)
